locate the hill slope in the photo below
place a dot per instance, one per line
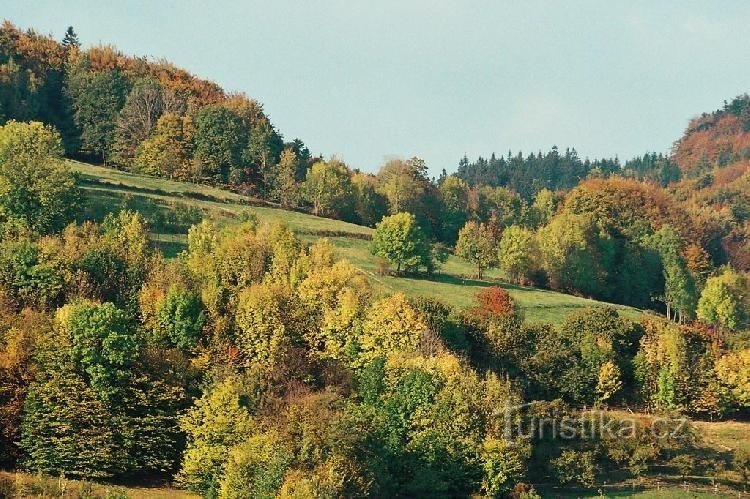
(171, 206)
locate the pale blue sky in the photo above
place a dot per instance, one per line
(366, 80)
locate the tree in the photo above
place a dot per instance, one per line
(137, 119)
(403, 184)
(217, 422)
(35, 185)
(609, 383)
(518, 254)
(391, 325)
(68, 429)
(543, 208)
(70, 40)
(733, 371)
(285, 187)
(493, 302)
(263, 150)
(220, 137)
(97, 98)
(20, 335)
(256, 468)
(269, 320)
(180, 318)
(476, 244)
(455, 196)
(684, 464)
(724, 300)
(679, 285)
(401, 241)
(169, 150)
(571, 254)
(369, 204)
(328, 188)
(29, 275)
(103, 345)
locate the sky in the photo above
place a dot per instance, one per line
(367, 81)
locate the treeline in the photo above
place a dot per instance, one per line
(254, 365)
(715, 139)
(141, 115)
(529, 174)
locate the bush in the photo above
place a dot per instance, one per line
(575, 467)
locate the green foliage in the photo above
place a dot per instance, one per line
(477, 245)
(180, 318)
(29, 274)
(20, 335)
(97, 98)
(328, 188)
(217, 422)
(724, 300)
(575, 467)
(544, 207)
(401, 241)
(220, 137)
(518, 254)
(455, 195)
(403, 183)
(103, 345)
(284, 184)
(504, 465)
(68, 429)
(570, 253)
(35, 185)
(604, 344)
(674, 368)
(256, 468)
(679, 285)
(369, 204)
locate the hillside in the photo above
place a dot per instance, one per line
(109, 190)
(192, 303)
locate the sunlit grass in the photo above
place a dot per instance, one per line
(111, 190)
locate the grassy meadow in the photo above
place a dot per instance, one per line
(171, 207)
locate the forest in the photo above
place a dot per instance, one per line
(257, 361)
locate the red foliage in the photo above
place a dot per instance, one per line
(493, 301)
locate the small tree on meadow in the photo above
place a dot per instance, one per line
(401, 241)
(518, 253)
(476, 244)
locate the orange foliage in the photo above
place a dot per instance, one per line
(624, 202)
(707, 138)
(730, 173)
(39, 52)
(493, 301)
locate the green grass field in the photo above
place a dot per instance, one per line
(109, 190)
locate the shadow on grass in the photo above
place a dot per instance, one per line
(452, 279)
(469, 281)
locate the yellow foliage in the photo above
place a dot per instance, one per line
(269, 318)
(733, 370)
(391, 325)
